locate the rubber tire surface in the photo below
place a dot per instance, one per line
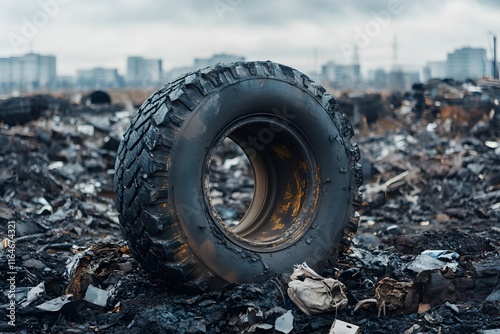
(21, 110)
(160, 178)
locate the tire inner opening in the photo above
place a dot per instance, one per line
(275, 206)
(231, 183)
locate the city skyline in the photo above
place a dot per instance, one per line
(34, 71)
(304, 36)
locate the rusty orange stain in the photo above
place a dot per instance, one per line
(301, 185)
(282, 152)
(278, 224)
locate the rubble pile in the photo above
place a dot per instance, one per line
(425, 259)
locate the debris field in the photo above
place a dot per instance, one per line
(425, 258)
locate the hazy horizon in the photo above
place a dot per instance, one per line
(303, 35)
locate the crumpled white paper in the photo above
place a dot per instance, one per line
(314, 294)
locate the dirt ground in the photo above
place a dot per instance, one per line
(428, 186)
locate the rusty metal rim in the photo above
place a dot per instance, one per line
(268, 225)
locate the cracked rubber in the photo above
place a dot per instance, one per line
(161, 173)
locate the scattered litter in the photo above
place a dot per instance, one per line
(453, 307)
(33, 294)
(494, 296)
(393, 295)
(96, 296)
(313, 293)
(284, 324)
(431, 184)
(56, 304)
(86, 129)
(434, 259)
(96, 263)
(341, 327)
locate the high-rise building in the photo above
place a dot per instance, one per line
(467, 63)
(435, 69)
(341, 76)
(143, 72)
(200, 63)
(99, 77)
(401, 80)
(31, 71)
(217, 58)
(380, 78)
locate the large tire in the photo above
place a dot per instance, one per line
(306, 176)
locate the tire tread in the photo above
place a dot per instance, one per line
(141, 193)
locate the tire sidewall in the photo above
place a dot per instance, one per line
(196, 136)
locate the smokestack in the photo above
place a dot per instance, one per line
(495, 66)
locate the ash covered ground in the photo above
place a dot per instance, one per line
(432, 182)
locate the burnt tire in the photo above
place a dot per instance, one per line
(306, 176)
(21, 110)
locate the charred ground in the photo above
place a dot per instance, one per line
(431, 182)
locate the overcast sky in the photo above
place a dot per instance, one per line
(302, 34)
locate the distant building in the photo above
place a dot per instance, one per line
(31, 71)
(217, 58)
(99, 77)
(341, 76)
(380, 79)
(176, 72)
(402, 80)
(467, 63)
(200, 63)
(64, 82)
(411, 78)
(435, 69)
(143, 72)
